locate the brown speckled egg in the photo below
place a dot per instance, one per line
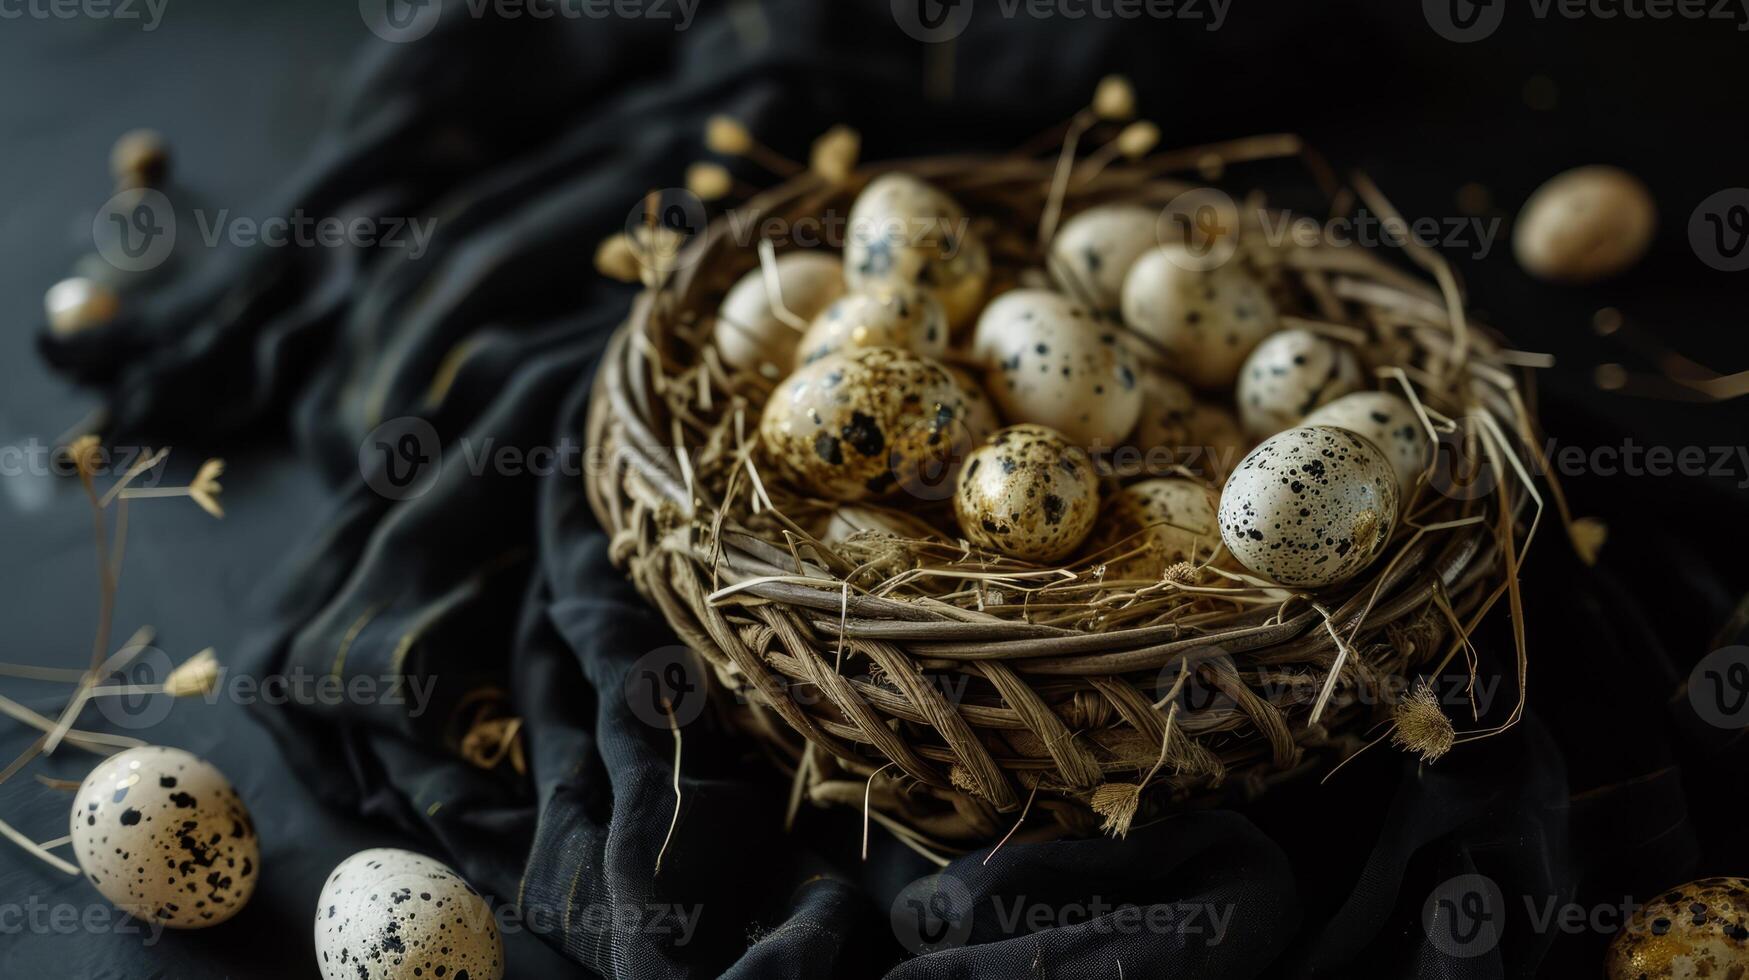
(894, 315)
(867, 423)
(1048, 362)
(1207, 321)
(1392, 425)
(389, 914)
(1289, 374)
(1173, 519)
(905, 230)
(1029, 493)
(749, 334)
(1094, 250)
(1178, 430)
(164, 835)
(1585, 224)
(1310, 506)
(1700, 929)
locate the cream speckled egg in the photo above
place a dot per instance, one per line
(1700, 929)
(1392, 425)
(1585, 224)
(905, 230)
(1172, 518)
(1029, 493)
(1310, 506)
(1289, 374)
(1094, 250)
(870, 422)
(165, 837)
(893, 315)
(1207, 321)
(1047, 361)
(749, 334)
(389, 914)
(1178, 430)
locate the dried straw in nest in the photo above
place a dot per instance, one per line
(950, 692)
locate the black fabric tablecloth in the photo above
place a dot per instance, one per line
(528, 140)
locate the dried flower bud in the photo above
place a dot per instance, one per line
(616, 259)
(1138, 139)
(205, 488)
(835, 152)
(1421, 727)
(710, 181)
(86, 452)
(140, 158)
(196, 676)
(727, 136)
(1114, 99)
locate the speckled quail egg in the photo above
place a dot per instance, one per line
(1178, 430)
(1309, 507)
(1206, 321)
(165, 837)
(1700, 929)
(1048, 362)
(891, 315)
(749, 334)
(902, 229)
(1584, 225)
(1029, 493)
(389, 914)
(1289, 374)
(1094, 249)
(1392, 425)
(869, 422)
(1173, 519)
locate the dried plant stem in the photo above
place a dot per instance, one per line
(673, 726)
(33, 847)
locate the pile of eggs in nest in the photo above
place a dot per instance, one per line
(909, 376)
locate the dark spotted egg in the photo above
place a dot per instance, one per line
(1390, 422)
(890, 315)
(164, 836)
(749, 333)
(389, 914)
(1700, 929)
(1290, 374)
(1309, 507)
(1206, 319)
(1155, 524)
(904, 230)
(1177, 429)
(1048, 362)
(1094, 249)
(1029, 493)
(870, 422)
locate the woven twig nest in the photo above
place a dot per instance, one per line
(947, 689)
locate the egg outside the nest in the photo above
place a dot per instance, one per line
(390, 914)
(1310, 506)
(163, 835)
(1028, 493)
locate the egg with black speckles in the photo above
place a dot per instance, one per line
(1048, 362)
(164, 836)
(1290, 374)
(894, 315)
(1392, 425)
(1178, 429)
(1029, 493)
(870, 422)
(1171, 520)
(749, 333)
(1310, 506)
(1205, 320)
(389, 914)
(905, 230)
(1700, 929)
(1093, 251)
